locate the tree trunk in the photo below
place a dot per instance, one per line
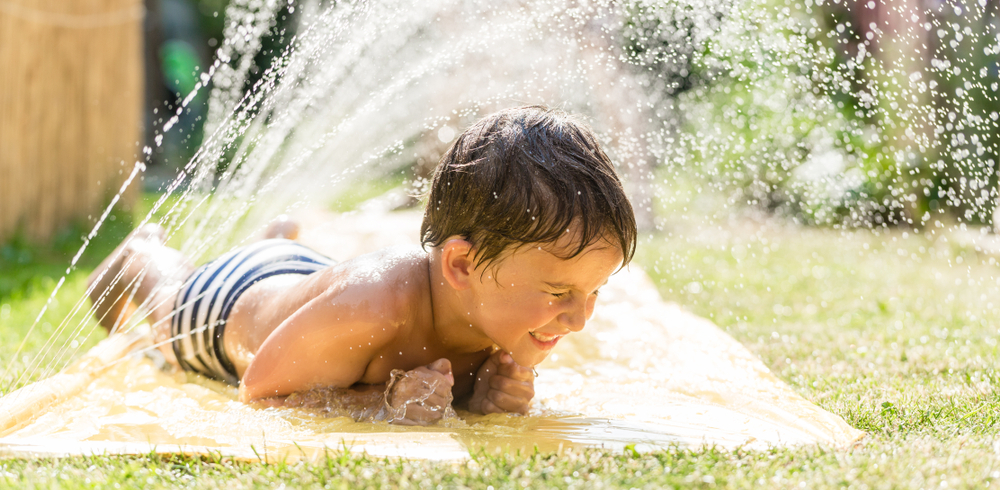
(70, 110)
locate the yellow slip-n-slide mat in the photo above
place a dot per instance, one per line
(643, 372)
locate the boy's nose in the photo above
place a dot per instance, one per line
(576, 316)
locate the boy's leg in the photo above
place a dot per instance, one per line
(142, 271)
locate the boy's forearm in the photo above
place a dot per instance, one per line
(360, 401)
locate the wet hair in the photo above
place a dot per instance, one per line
(527, 175)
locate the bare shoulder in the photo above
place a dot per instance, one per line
(354, 311)
(389, 287)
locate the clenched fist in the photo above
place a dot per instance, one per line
(421, 396)
(502, 386)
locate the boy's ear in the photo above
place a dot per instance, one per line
(457, 262)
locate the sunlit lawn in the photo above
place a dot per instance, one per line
(894, 332)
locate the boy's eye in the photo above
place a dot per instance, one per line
(560, 295)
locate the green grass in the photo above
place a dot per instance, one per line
(707, 468)
(29, 272)
(895, 332)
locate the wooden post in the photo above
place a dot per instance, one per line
(70, 109)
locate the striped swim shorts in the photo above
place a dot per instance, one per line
(207, 297)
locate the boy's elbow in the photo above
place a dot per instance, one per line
(249, 396)
(250, 390)
(253, 385)
(244, 393)
(274, 401)
(263, 390)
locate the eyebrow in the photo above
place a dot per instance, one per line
(559, 285)
(595, 247)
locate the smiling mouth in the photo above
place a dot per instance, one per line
(545, 338)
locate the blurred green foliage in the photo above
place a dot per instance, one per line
(180, 66)
(28, 266)
(831, 112)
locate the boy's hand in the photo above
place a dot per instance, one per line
(502, 386)
(423, 395)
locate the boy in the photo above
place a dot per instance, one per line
(525, 220)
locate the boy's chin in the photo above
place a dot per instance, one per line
(529, 360)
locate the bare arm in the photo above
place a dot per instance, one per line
(360, 402)
(328, 342)
(321, 352)
(417, 397)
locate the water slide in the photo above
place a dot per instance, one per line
(644, 374)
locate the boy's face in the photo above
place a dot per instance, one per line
(533, 298)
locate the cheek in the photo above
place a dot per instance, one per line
(591, 302)
(531, 309)
(502, 305)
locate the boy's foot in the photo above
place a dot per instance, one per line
(282, 227)
(131, 274)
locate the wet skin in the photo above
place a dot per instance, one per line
(405, 308)
(352, 323)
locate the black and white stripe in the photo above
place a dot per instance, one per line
(207, 297)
